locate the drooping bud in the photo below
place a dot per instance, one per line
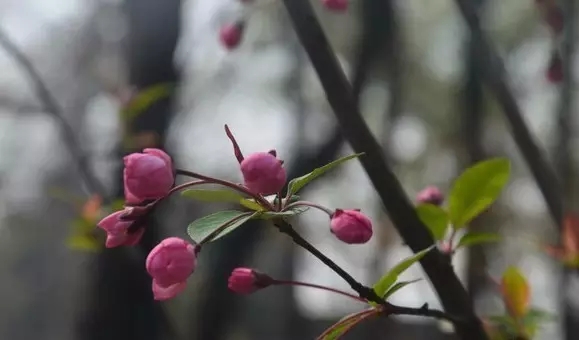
(336, 5)
(430, 195)
(230, 35)
(351, 226)
(247, 280)
(117, 229)
(147, 176)
(263, 173)
(170, 263)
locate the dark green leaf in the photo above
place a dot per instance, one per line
(382, 286)
(218, 195)
(203, 227)
(297, 184)
(435, 218)
(476, 189)
(471, 239)
(396, 287)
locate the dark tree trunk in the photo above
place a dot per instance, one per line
(121, 304)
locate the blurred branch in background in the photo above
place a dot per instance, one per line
(563, 160)
(472, 113)
(340, 97)
(51, 106)
(121, 304)
(494, 74)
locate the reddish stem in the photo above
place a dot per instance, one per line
(329, 289)
(258, 198)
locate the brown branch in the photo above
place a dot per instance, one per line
(453, 296)
(50, 105)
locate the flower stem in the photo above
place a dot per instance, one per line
(330, 289)
(364, 292)
(309, 204)
(236, 187)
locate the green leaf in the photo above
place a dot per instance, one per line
(218, 195)
(203, 227)
(534, 319)
(476, 189)
(268, 215)
(145, 98)
(399, 285)
(382, 286)
(471, 239)
(297, 184)
(516, 292)
(435, 218)
(251, 204)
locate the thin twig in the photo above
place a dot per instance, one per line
(494, 74)
(339, 94)
(51, 107)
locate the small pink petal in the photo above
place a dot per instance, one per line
(166, 293)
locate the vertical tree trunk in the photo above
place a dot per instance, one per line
(122, 306)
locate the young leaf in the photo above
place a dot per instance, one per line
(345, 324)
(267, 215)
(471, 239)
(476, 189)
(203, 227)
(250, 203)
(533, 319)
(398, 286)
(218, 195)
(297, 184)
(516, 292)
(435, 218)
(386, 281)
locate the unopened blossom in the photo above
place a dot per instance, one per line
(147, 176)
(170, 263)
(247, 281)
(351, 226)
(263, 173)
(117, 229)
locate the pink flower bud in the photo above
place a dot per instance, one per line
(147, 175)
(231, 34)
(247, 280)
(263, 173)
(117, 230)
(171, 262)
(351, 226)
(165, 293)
(336, 5)
(430, 195)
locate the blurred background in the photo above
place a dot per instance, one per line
(417, 77)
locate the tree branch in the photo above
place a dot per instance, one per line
(51, 107)
(339, 94)
(494, 75)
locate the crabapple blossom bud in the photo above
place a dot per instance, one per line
(147, 175)
(263, 173)
(351, 226)
(336, 5)
(247, 280)
(231, 34)
(431, 195)
(170, 263)
(117, 230)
